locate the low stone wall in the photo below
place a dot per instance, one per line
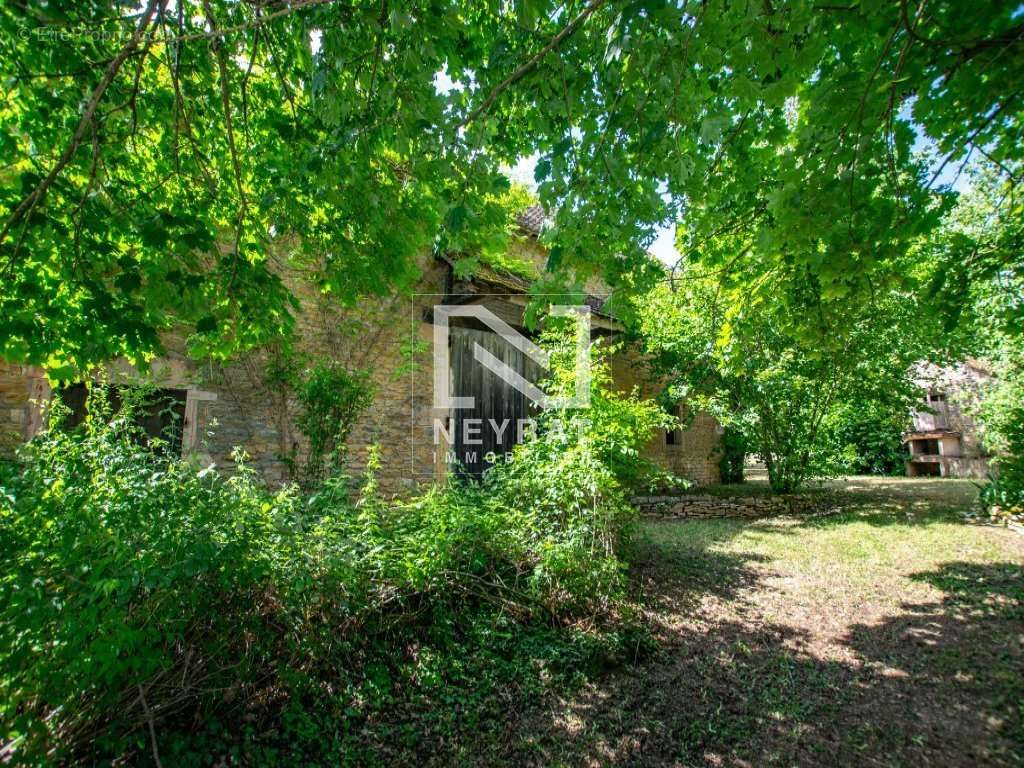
(705, 505)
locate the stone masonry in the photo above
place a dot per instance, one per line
(235, 405)
(699, 506)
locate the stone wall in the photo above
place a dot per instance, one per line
(694, 453)
(234, 405)
(238, 406)
(696, 505)
(385, 336)
(15, 412)
(965, 466)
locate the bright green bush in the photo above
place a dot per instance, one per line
(1002, 418)
(572, 481)
(331, 398)
(141, 595)
(132, 583)
(867, 436)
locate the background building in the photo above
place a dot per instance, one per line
(944, 440)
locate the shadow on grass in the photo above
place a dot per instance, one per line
(685, 574)
(939, 684)
(881, 513)
(958, 663)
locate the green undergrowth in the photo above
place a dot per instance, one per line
(512, 264)
(155, 610)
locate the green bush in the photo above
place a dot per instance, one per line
(1002, 497)
(733, 449)
(1002, 416)
(572, 480)
(331, 398)
(867, 436)
(141, 595)
(132, 583)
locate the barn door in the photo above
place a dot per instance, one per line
(493, 424)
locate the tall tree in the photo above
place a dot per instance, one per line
(746, 362)
(977, 284)
(160, 165)
(155, 161)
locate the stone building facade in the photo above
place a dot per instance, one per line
(238, 404)
(944, 440)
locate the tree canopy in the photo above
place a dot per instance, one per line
(747, 362)
(158, 163)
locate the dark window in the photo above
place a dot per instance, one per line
(936, 398)
(74, 397)
(675, 436)
(162, 413)
(926, 447)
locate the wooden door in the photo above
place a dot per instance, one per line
(493, 425)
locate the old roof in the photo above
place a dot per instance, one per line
(500, 278)
(930, 434)
(532, 220)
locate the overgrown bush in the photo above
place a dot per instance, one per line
(573, 478)
(148, 606)
(733, 453)
(133, 583)
(1002, 417)
(867, 436)
(331, 398)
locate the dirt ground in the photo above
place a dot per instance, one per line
(891, 634)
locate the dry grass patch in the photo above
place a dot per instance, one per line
(889, 634)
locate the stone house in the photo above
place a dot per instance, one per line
(223, 405)
(944, 440)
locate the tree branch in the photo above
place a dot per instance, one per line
(974, 135)
(225, 97)
(150, 724)
(525, 69)
(32, 198)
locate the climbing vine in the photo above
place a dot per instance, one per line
(329, 399)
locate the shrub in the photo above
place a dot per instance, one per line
(733, 449)
(867, 436)
(331, 398)
(572, 480)
(142, 594)
(1002, 418)
(130, 584)
(1002, 497)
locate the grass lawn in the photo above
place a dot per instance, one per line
(889, 634)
